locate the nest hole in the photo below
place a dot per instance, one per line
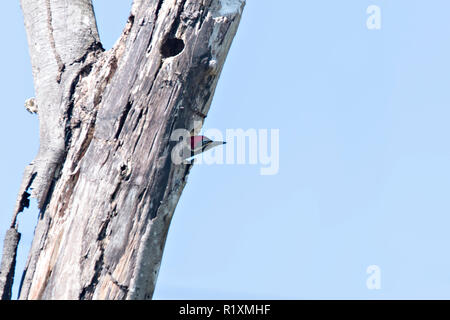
(172, 47)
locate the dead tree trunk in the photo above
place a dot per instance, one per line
(104, 179)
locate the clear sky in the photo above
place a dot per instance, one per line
(364, 176)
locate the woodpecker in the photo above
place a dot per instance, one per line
(201, 144)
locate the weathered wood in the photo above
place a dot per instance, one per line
(106, 185)
(8, 264)
(61, 37)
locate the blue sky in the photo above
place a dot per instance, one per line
(364, 173)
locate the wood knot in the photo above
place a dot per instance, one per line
(31, 106)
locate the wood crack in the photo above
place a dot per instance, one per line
(123, 118)
(122, 287)
(88, 291)
(61, 65)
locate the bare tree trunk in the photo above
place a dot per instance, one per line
(104, 179)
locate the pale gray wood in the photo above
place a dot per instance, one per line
(104, 179)
(8, 264)
(60, 36)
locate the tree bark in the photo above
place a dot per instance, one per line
(104, 178)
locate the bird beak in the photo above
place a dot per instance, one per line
(214, 144)
(217, 143)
